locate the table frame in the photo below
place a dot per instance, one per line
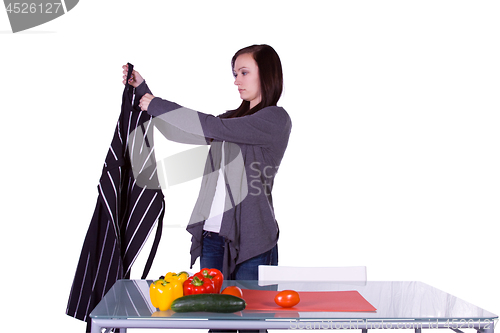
(482, 326)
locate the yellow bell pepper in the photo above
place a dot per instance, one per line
(177, 281)
(182, 276)
(165, 290)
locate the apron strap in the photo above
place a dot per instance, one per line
(128, 95)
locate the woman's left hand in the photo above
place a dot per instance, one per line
(144, 102)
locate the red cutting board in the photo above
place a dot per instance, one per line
(316, 301)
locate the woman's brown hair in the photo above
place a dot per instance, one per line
(271, 78)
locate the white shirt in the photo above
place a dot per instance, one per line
(214, 220)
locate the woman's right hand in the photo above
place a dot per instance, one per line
(135, 79)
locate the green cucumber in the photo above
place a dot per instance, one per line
(208, 303)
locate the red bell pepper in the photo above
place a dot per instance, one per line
(215, 275)
(198, 285)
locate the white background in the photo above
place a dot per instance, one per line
(393, 160)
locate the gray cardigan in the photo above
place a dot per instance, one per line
(256, 147)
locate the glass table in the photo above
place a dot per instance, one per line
(399, 305)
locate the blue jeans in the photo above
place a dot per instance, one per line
(212, 255)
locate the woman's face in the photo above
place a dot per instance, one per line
(246, 75)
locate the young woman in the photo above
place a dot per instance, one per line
(233, 225)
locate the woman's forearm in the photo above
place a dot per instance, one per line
(140, 91)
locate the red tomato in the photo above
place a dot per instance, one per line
(287, 298)
(233, 290)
